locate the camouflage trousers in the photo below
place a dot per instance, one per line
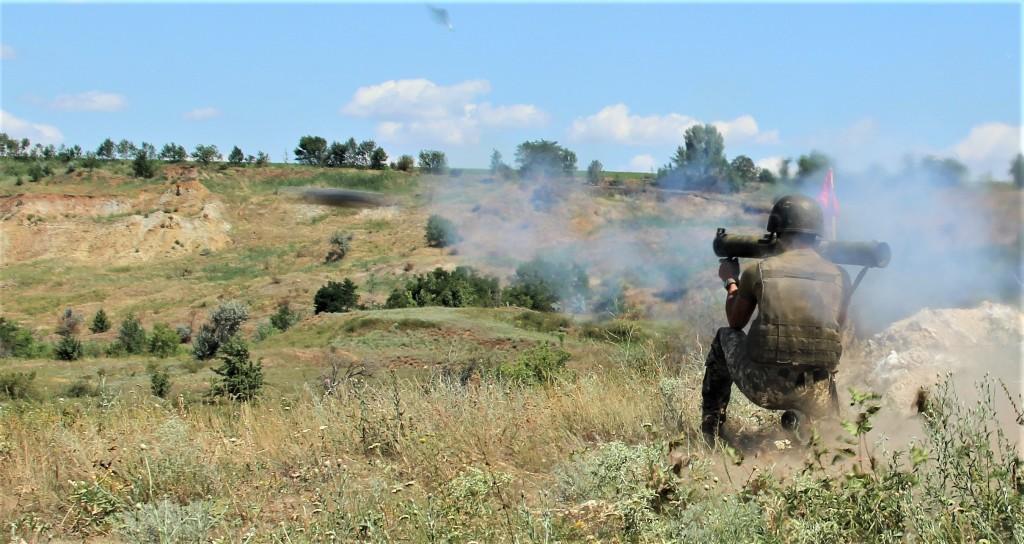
(775, 387)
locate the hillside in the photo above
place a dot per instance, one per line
(403, 424)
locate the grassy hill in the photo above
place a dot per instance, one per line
(420, 424)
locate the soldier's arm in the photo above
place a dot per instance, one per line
(741, 300)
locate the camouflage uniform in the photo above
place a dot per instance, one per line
(777, 387)
(789, 359)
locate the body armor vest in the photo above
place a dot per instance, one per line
(798, 311)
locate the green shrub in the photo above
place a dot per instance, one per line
(441, 232)
(284, 317)
(542, 321)
(165, 522)
(341, 242)
(81, 388)
(240, 379)
(18, 342)
(131, 337)
(69, 348)
(39, 170)
(159, 383)
(163, 341)
(545, 285)
(463, 287)
(336, 297)
(69, 323)
(540, 365)
(100, 322)
(224, 322)
(265, 330)
(142, 166)
(17, 385)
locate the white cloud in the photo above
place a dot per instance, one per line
(36, 132)
(202, 114)
(615, 124)
(989, 141)
(419, 110)
(7, 52)
(642, 163)
(772, 164)
(89, 101)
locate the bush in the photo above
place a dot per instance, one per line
(17, 385)
(240, 379)
(537, 366)
(542, 285)
(163, 342)
(69, 323)
(39, 170)
(17, 342)
(100, 322)
(184, 333)
(223, 324)
(463, 287)
(159, 383)
(131, 338)
(69, 348)
(441, 232)
(142, 166)
(284, 317)
(167, 523)
(433, 162)
(81, 388)
(340, 244)
(405, 163)
(336, 297)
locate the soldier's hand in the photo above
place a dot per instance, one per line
(730, 268)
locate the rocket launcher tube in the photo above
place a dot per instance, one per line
(868, 254)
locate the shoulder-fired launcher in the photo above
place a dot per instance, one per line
(868, 254)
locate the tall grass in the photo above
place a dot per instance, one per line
(436, 459)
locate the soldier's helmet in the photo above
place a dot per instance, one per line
(796, 213)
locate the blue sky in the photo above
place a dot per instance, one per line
(619, 83)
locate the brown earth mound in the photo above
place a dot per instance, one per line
(181, 218)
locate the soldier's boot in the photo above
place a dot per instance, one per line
(711, 426)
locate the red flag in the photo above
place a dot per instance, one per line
(829, 202)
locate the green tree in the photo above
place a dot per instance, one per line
(106, 149)
(440, 232)
(39, 170)
(541, 284)
(463, 287)
(336, 297)
(69, 348)
(262, 159)
(496, 162)
(284, 317)
(223, 323)
(1017, 170)
(236, 157)
(312, 150)
(811, 164)
(784, 174)
(125, 150)
(142, 166)
(766, 176)
(378, 159)
(365, 149)
(405, 163)
(595, 172)
(544, 158)
(205, 154)
(336, 155)
(16, 341)
(239, 378)
(173, 152)
(163, 341)
(159, 383)
(743, 171)
(100, 322)
(131, 338)
(433, 162)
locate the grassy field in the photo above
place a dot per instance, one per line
(414, 424)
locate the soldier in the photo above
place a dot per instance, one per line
(789, 359)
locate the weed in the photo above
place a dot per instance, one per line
(164, 522)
